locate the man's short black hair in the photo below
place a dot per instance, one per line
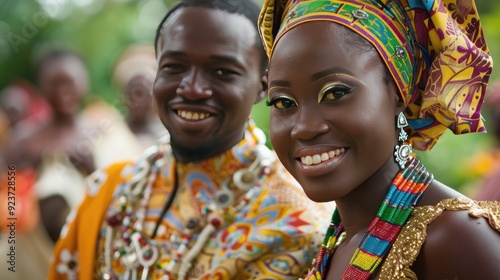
(246, 8)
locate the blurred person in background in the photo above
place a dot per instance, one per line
(134, 75)
(51, 161)
(23, 105)
(4, 134)
(22, 110)
(124, 136)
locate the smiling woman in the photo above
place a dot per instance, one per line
(339, 90)
(353, 86)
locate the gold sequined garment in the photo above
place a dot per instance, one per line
(407, 246)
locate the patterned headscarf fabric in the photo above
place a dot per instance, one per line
(434, 49)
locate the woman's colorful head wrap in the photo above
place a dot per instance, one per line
(434, 49)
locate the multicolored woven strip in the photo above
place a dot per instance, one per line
(405, 190)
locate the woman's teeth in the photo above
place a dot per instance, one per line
(188, 115)
(318, 158)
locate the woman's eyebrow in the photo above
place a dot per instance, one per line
(327, 72)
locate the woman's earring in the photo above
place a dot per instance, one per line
(403, 152)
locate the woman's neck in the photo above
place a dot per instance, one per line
(360, 207)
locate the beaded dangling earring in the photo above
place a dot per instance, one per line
(402, 153)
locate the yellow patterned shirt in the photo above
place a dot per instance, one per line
(271, 231)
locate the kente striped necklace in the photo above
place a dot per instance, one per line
(404, 192)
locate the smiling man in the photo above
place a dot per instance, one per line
(212, 202)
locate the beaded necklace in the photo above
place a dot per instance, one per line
(404, 192)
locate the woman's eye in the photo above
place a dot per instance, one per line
(282, 103)
(333, 92)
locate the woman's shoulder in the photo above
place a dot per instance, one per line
(444, 207)
(462, 239)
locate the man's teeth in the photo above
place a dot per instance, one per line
(318, 158)
(188, 115)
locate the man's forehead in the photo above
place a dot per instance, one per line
(201, 25)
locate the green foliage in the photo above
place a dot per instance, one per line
(260, 114)
(490, 23)
(451, 160)
(98, 31)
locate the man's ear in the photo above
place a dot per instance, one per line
(263, 92)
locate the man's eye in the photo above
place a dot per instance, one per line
(223, 72)
(173, 67)
(282, 102)
(333, 92)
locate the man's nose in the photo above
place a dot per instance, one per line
(194, 86)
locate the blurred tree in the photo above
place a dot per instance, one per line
(96, 29)
(485, 6)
